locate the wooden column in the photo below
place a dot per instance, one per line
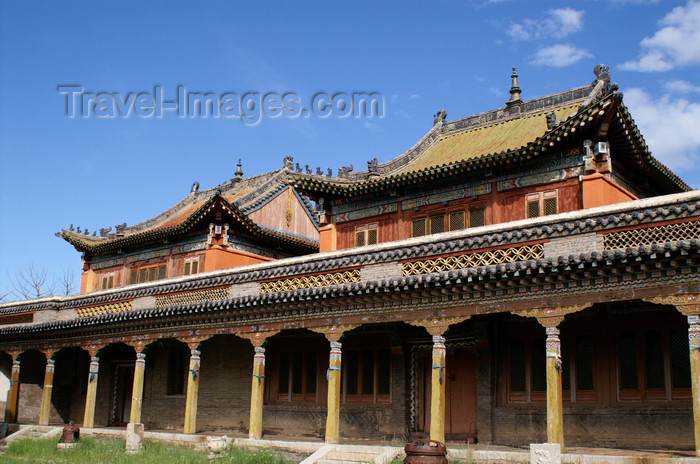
(45, 410)
(256, 393)
(555, 411)
(694, 341)
(437, 326)
(192, 389)
(91, 396)
(137, 389)
(437, 395)
(12, 407)
(333, 412)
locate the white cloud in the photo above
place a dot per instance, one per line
(559, 23)
(414, 96)
(669, 127)
(560, 55)
(680, 86)
(370, 126)
(675, 44)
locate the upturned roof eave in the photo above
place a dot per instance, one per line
(183, 227)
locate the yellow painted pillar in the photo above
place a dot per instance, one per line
(437, 394)
(46, 392)
(12, 408)
(555, 411)
(333, 413)
(91, 397)
(256, 393)
(192, 392)
(137, 390)
(694, 342)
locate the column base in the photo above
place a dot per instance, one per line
(134, 438)
(545, 453)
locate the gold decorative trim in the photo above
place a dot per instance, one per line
(651, 235)
(319, 280)
(197, 296)
(119, 307)
(438, 325)
(553, 316)
(482, 258)
(688, 304)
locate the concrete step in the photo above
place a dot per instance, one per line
(350, 456)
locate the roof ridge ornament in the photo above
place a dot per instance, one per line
(515, 98)
(239, 172)
(439, 117)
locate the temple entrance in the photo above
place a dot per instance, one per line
(123, 384)
(460, 394)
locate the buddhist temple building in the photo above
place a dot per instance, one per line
(527, 274)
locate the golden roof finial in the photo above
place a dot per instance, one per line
(514, 90)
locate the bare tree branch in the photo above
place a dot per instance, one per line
(66, 282)
(32, 282)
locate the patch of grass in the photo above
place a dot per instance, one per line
(111, 451)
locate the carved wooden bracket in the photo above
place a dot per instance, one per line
(552, 317)
(139, 345)
(193, 341)
(438, 325)
(258, 338)
(688, 304)
(334, 332)
(93, 348)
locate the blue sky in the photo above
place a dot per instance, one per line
(97, 172)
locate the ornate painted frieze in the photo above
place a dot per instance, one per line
(537, 179)
(446, 194)
(366, 212)
(136, 257)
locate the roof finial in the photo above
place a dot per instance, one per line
(514, 90)
(238, 173)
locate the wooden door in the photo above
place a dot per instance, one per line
(123, 385)
(460, 395)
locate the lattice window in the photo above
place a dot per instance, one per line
(651, 235)
(584, 364)
(550, 206)
(104, 309)
(196, 296)
(437, 224)
(418, 227)
(191, 266)
(539, 366)
(477, 216)
(457, 220)
(366, 234)
(518, 372)
(320, 280)
(108, 280)
(654, 360)
(629, 375)
(147, 274)
(680, 361)
(541, 203)
(484, 258)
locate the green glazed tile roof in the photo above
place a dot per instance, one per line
(503, 136)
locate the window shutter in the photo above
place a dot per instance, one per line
(457, 220)
(533, 209)
(133, 277)
(477, 217)
(187, 268)
(372, 237)
(195, 266)
(418, 228)
(550, 205)
(360, 238)
(161, 272)
(437, 224)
